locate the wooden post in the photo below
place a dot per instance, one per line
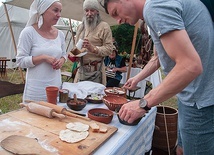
(13, 39)
(132, 50)
(72, 36)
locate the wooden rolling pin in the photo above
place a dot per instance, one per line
(69, 110)
(61, 110)
(42, 110)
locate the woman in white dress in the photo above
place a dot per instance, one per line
(41, 49)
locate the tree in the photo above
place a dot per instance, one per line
(123, 34)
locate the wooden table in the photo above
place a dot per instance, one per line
(3, 66)
(120, 139)
(128, 140)
(46, 130)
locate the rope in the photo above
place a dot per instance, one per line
(167, 136)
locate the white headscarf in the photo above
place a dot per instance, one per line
(37, 8)
(91, 4)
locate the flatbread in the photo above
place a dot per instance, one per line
(72, 136)
(77, 126)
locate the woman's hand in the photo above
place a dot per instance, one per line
(57, 64)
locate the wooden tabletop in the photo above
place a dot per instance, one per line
(46, 130)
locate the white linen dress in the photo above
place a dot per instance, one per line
(38, 77)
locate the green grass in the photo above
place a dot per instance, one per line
(10, 103)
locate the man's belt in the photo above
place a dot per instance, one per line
(93, 63)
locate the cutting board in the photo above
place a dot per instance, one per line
(46, 131)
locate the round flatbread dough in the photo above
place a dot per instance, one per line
(77, 126)
(72, 136)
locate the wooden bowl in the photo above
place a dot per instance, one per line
(114, 101)
(76, 106)
(115, 91)
(101, 115)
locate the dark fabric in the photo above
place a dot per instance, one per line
(7, 88)
(111, 82)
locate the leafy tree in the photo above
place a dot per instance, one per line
(123, 34)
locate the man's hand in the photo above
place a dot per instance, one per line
(131, 111)
(89, 46)
(130, 84)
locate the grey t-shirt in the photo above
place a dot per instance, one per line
(163, 16)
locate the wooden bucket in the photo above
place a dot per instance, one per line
(159, 136)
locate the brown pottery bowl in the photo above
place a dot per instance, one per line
(114, 101)
(101, 115)
(76, 106)
(115, 91)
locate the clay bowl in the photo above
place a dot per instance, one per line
(114, 101)
(76, 106)
(115, 91)
(125, 122)
(95, 98)
(101, 115)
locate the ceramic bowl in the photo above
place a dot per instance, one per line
(130, 124)
(101, 115)
(125, 122)
(95, 98)
(114, 101)
(76, 106)
(115, 91)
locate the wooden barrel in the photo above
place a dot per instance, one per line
(159, 136)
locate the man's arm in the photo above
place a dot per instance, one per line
(187, 67)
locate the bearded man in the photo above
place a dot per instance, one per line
(97, 39)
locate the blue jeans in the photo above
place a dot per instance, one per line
(196, 129)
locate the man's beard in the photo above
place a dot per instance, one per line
(91, 22)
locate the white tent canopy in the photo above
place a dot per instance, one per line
(18, 19)
(71, 9)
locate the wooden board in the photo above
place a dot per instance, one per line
(46, 130)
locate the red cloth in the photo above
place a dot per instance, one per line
(73, 59)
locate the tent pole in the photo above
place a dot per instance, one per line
(72, 32)
(13, 39)
(132, 50)
(72, 35)
(10, 27)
